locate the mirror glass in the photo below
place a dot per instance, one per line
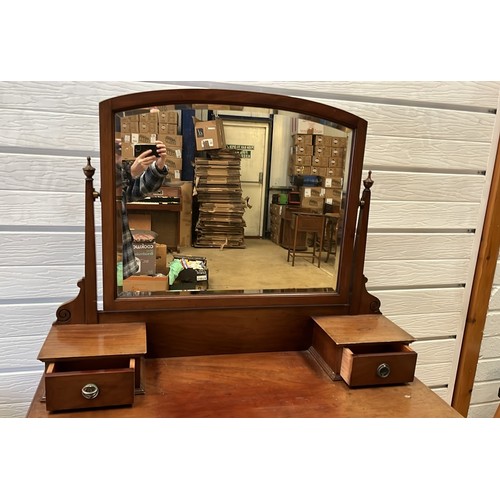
(223, 219)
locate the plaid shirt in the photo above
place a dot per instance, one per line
(134, 190)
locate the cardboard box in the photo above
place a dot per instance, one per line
(161, 259)
(320, 161)
(171, 140)
(127, 151)
(128, 127)
(332, 182)
(173, 163)
(322, 151)
(151, 117)
(314, 203)
(168, 117)
(302, 139)
(145, 284)
(301, 126)
(303, 150)
(312, 192)
(167, 129)
(304, 160)
(335, 162)
(143, 138)
(209, 135)
(148, 128)
(173, 152)
(145, 251)
(339, 142)
(322, 140)
(186, 214)
(299, 170)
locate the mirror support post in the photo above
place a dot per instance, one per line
(83, 309)
(361, 301)
(90, 251)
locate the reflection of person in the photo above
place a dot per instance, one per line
(139, 179)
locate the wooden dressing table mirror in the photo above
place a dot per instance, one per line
(263, 351)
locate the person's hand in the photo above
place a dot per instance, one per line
(142, 162)
(162, 151)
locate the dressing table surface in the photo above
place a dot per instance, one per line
(262, 385)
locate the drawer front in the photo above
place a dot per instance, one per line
(88, 389)
(360, 367)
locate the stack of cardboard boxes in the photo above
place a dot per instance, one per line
(218, 186)
(158, 124)
(314, 153)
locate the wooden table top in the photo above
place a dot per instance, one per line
(282, 384)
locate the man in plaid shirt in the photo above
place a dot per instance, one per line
(139, 179)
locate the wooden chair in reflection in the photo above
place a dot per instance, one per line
(306, 222)
(332, 221)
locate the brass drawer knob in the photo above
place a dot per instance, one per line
(383, 370)
(90, 391)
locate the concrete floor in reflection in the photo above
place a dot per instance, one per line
(263, 265)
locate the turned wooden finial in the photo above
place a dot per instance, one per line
(89, 170)
(368, 182)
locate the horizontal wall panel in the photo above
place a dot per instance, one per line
(68, 97)
(483, 392)
(423, 215)
(41, 282)
(490, 347)
(38, 129)
(44, 209)
(484, 410)
(488, 369)
(495, 299)
(422, 326)
(442, 392)
(425, 154)
(19, 387)
(433, 374)
(462, 93)
(424, 301)
(492, 325)
(20, 353)
(416, 272)
(405, 186)
(427, 123)
(47, 173)
(27, 320)
(434, 351)
(53, 249)
(419, 246)
(16, 410)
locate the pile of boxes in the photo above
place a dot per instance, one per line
(158, 124)
(221, 208)
(218, 186)
(314, 153)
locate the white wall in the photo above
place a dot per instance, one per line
(430, 149)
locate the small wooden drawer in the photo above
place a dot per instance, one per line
(364, 350)
(382, 364)
(93, 365)
(76, 385)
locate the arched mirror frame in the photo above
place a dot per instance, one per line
(207, 300)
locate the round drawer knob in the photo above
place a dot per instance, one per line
(383, 370)
(90, 391)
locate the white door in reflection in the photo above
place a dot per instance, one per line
(251, 140)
